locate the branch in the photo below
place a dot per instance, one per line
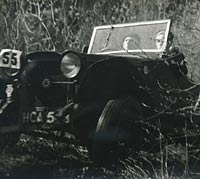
(52, 13)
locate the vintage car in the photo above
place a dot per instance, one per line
(129, 88)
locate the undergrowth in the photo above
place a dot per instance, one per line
(52, 159)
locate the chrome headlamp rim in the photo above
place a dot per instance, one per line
(70, 64)
(10, 72)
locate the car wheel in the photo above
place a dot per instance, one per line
(115, 130)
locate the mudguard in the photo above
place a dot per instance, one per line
(108, 79)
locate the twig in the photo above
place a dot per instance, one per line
(26, 26)
(52, 13)
(186, 152)
(6, 23)
(161, 152)
(38, 9)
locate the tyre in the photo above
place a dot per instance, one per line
(115, 130)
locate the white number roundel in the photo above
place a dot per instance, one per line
(10, 58)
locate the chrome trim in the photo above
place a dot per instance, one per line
(64, 82)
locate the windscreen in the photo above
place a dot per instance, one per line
(133, 37)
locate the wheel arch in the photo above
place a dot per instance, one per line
(107, 79)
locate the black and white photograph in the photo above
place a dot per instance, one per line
(99, 89)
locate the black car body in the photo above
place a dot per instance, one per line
(103, 99)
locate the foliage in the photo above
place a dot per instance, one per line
(36, 157)
(32, 25)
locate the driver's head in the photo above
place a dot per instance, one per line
(131, 42)
(160, 39)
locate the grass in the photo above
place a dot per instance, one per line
(40, 158)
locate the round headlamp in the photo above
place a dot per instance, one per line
(70, 64)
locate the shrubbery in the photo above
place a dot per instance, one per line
(32, 25)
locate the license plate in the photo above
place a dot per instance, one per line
(39, 115)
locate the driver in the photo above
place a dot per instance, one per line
(160, 39)
(131, 42)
